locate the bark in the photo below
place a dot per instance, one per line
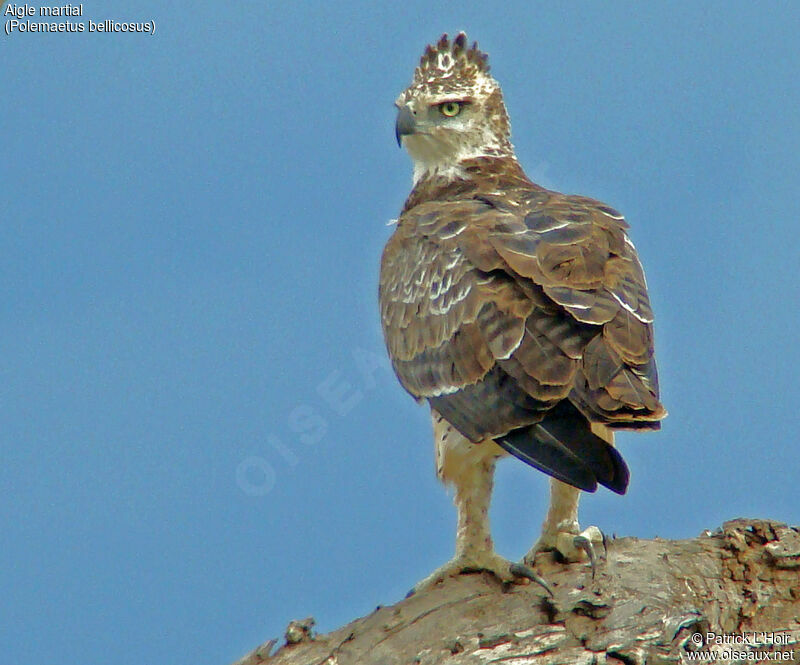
(735, 592)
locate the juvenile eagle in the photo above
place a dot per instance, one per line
(520, 314)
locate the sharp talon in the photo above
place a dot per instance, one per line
(583, 543)
(521, 570)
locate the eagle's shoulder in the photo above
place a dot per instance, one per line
(578, 250)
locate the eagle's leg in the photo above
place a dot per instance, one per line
(469, 467)
(561, 531)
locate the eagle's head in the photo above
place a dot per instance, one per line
(452, 111)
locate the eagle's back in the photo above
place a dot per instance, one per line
(506, 305)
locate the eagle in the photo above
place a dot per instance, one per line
(519, 314)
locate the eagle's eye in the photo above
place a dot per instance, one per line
(450, 109)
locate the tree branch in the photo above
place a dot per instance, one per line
(653, 601)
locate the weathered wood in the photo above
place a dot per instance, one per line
(647, 604)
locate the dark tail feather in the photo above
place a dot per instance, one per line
(564, 446)
(537, 447)
(569, 426)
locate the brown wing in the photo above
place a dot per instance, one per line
(576, 250)
(446, 323)
(496, 313)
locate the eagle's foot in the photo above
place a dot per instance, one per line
(570, 545)
(504, 570)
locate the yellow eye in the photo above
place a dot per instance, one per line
(450, 109)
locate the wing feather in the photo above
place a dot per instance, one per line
(496, 309)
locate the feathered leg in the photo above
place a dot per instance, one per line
(561, 531)
(470, 468)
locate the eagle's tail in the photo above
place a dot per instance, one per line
(564, 446)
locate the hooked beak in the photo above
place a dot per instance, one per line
(405, 124)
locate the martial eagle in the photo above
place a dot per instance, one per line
(520, 314)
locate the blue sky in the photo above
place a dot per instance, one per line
(199, 436)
